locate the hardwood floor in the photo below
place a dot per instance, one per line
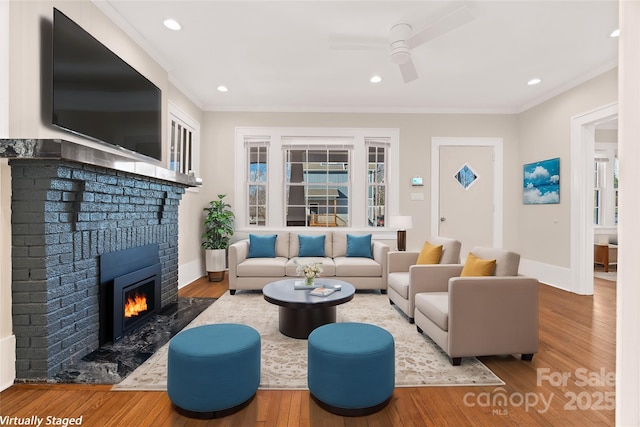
(569, 382)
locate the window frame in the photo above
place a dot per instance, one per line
(606, 154)
(260, 143)
(308, 184)
(280, 137)
(175, 114)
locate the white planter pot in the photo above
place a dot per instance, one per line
(215, 262)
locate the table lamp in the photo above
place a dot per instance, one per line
(402, 223)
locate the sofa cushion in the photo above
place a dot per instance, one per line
(430, 254)
(359, 246)
(262, 267)
(282, 245)
(399, 282)
(475, 266)
(450, 249)
(434, 305)
(294, 244)
(507, 262)
(328, 266)
(339, 244)
(311, 246)
(357, 267)
(262, 246)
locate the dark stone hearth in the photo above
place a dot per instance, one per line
(112, 362)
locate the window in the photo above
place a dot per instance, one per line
(605, 197)
(317, 186)
(184, 142)
(299, 177)
(376, 182)
(257, 183)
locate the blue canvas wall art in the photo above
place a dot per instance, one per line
(542, 182)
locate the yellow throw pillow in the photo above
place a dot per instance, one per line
(475, 266)
(429, 254)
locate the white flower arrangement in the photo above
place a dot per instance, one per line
(310, 271)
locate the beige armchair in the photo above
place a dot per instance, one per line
(405, 278)
(482, 316)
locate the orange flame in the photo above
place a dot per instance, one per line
(135, 305)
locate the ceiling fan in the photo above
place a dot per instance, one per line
(402, 39)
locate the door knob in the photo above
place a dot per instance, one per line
(443, 219)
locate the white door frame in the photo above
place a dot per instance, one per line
(582, 150)
(496, 143)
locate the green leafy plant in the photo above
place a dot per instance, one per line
(218, 224)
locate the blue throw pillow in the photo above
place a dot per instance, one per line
(311, 245)
(262, 246)
(359, 246)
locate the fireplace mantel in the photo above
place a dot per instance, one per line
(71, 151)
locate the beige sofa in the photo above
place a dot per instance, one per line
(481, 316)
(253, 273)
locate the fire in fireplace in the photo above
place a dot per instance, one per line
(130, 290)
(135, 306)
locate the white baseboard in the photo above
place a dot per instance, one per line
(552, 275)
(189, 272)
(7, 362)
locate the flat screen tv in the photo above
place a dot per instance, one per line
(98, 95)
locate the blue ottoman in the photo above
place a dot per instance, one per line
(213, 370)
(351, 370)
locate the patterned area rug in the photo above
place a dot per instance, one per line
(419, 362)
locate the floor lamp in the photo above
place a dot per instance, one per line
(402, 223)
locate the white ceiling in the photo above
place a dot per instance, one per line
(281, 55)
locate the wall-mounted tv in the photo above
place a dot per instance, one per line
(98, 95)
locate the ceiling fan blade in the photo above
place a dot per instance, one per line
(408, 71)
(447, 23)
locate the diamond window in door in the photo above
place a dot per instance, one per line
(466, 176)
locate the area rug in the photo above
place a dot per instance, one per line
(419, 361)
(611, 276)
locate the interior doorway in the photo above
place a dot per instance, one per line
(605, 229)
(583, 129)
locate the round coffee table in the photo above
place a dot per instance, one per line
(300, 313)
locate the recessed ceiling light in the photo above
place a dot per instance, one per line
(534, 81)
(615, 33)
(375, 79)
(222, 89)
(172, 24)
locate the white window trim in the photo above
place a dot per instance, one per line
(278, 137)
(260, 142)
(175, 112)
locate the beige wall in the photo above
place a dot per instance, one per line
(416, 131)
(545, 133)
(190, 211)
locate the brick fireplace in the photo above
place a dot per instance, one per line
(67, 211)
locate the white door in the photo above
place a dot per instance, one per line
(466, 202)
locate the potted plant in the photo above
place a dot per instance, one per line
(218, 229)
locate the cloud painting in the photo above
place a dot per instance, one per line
(542, 182)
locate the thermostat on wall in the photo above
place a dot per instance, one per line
(416, 181)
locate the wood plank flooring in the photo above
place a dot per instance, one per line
(570, 382)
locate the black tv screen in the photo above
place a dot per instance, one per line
(98, 95)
